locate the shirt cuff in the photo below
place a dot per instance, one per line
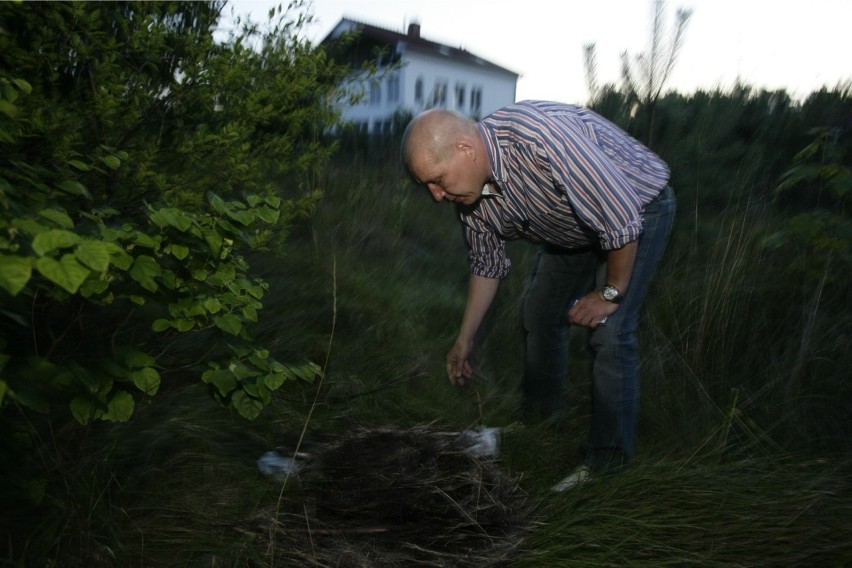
(489, 266)
(617, 239)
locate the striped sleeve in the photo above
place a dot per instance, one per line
(486, 250)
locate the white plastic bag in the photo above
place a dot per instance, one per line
(277, 466)
(482, 443)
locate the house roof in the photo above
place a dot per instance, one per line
(411, 41)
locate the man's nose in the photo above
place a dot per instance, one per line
(437, 193)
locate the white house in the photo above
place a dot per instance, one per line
(423, 74)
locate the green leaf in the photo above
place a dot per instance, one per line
(29, 226)
(67, 272)
(247, 406)
(223, 379)
(243, 217)
(254, 290)
(808, 151)
(144, 240)
(269, 215)
(59, 217)
(8, 109)
(161, 324)
(242, 371)
(8, 92)
(263, 392)
(54, 239)
(120, 259)
(274, 380)
(170, 279)
(15, 272)
(144, 270)
(223, 276)
(214, 241)
(23, 85)
(182, 324)
(274, 202)
(251, 389)
(79, 165)
(97, 384)
(120, 407)
(111, 162)
(218, 204)
(147, 380)
(212, 305)
(229, 323)
(170, 216)
(74, 188)
(92, 287)
(136, 359)
(180, 252)
(307, 372)
(93, 254)
(83, 409)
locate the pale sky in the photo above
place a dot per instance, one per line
(791, 44)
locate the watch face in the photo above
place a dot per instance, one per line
(610, 293)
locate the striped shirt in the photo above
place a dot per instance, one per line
(562, 175)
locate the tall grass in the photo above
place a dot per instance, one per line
(744, 454)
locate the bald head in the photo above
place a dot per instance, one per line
(432, 135)
(445, 152)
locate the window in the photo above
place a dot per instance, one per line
(459, 96)
(375, 93)
(439, 94)
(393, 89)
(475, 100)
(418, 91)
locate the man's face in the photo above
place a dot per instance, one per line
(453, 179)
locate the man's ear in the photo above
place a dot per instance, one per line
(465, 144)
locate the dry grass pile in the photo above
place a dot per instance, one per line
(387, 497)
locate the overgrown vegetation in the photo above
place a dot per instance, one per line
(112, 157)
(135, 183)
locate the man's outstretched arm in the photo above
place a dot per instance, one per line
(480, 294)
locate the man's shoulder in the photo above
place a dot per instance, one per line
(536, 106)
(532, 112)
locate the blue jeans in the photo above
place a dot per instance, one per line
(561, 277)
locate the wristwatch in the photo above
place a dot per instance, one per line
(611, 294)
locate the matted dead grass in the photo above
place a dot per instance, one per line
(388, 497)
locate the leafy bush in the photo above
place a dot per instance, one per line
(820, 182)
(141, 165)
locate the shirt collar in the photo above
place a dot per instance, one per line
(494, 160)
(491, 188)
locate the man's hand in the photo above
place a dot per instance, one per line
(481, 292)
(591, 310)
(458, 367)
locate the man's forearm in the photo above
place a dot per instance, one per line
(619, 266)
(480, 294)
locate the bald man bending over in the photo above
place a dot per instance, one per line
(600, 206)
